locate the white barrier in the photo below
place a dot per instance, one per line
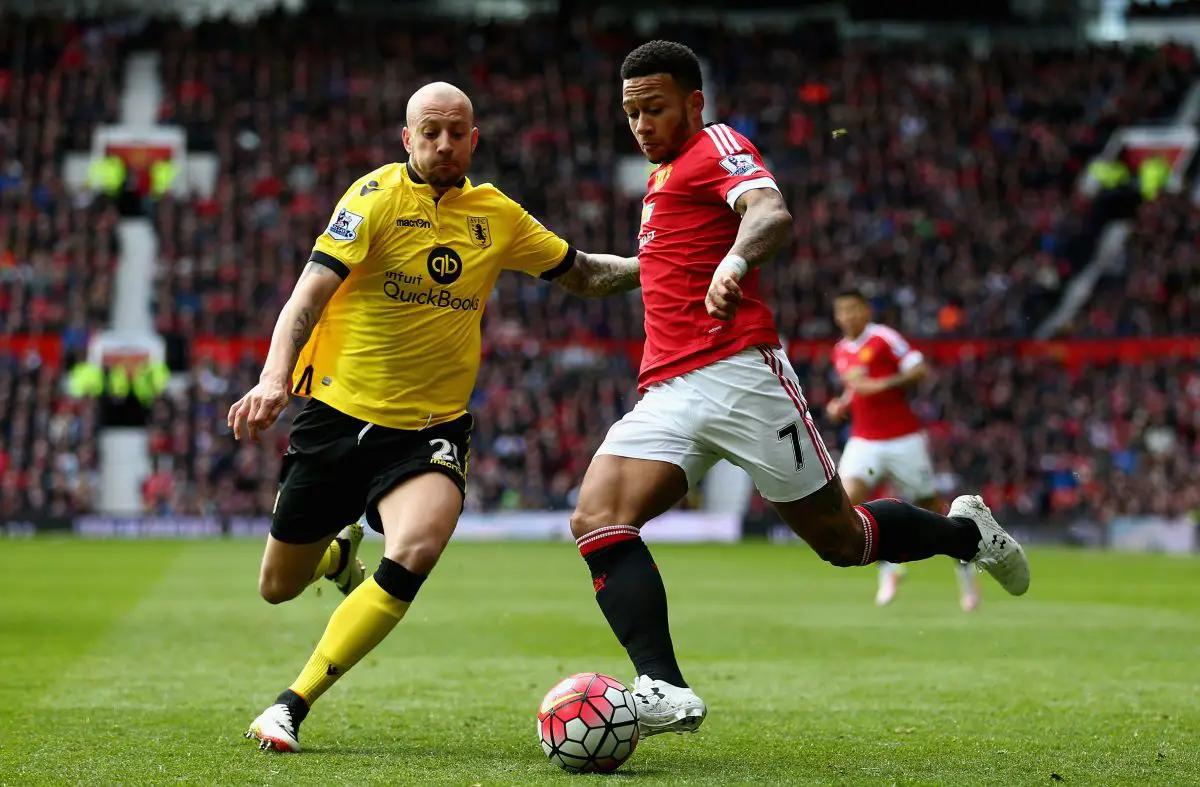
(672, 527)
(1153, 534)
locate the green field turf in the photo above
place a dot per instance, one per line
(143, 662)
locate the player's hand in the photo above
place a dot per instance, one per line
(867, 386)
(258, 409)
(724, 295)
(836, 409)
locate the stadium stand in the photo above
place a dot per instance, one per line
(48, 453)
(57, 254)
(951, 186)
(1156, 289)
(950, 199)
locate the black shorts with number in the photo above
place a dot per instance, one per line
(336, 467)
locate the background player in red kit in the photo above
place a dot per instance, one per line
(716, 385)
(886, 441)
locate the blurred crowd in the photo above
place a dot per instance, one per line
(949, 200)
(951, 192)
(1041, 441)
(1155, 289)
(48, 454)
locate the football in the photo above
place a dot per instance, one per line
(588, 723)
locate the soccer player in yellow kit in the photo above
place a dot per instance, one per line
(382, 334)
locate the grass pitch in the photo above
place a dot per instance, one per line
(143, 662)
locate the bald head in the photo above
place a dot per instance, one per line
(440, 135)
(440, 98)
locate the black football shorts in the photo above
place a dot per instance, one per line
(336, 467)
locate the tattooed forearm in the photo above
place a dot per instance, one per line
(302, 328)
(596, 275)
(298, 319)
(766, 224)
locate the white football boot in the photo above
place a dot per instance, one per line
(968, 586)
(274, 730)
(353, 574)
(890, 575)
(999, 553)
(662, 707)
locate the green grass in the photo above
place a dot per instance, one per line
(142, 663)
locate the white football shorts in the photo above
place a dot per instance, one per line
(902, 460)
(747, 408)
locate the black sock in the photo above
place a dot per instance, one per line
(631, 594)
(903, 532)
(296, 706)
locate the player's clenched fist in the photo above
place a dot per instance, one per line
(837, 409)
(258, 409)
(724, 294)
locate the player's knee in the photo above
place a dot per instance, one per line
(418, 554)
(276, 590)
(585, 520)
(841, 555)
(841, 546)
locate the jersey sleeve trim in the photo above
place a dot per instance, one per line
(911, 360)
(568, 262)
(331, 262)
(895, 342)
(750, 185)
(724, 141)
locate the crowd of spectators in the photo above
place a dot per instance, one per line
(1042, 440)
(1155, 288)
(58, 80)
(949, 199)
(949, 194)
(48, 453)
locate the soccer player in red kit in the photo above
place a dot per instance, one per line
(717, 385)
(886, 443)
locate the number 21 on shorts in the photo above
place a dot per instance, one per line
(792, 432)
(445, 451)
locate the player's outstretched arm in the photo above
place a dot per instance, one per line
(259, 408)
(597, 275)
(869, 386)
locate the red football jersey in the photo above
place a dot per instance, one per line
(688, 226)
(878, 352)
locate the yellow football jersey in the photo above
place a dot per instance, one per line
(398, 344)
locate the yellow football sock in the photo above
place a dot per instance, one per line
(329, 561)
(357, 626)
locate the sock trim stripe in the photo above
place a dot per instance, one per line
(598, 544)
(607, 530)
(605, 536)
(870, 535)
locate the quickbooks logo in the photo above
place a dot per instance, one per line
(396, 287)
(445, 266)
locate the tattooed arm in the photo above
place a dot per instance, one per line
(596, 275)
(766, 223)
(314, 288)
(259, 408)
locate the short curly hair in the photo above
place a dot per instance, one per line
(665, 57)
